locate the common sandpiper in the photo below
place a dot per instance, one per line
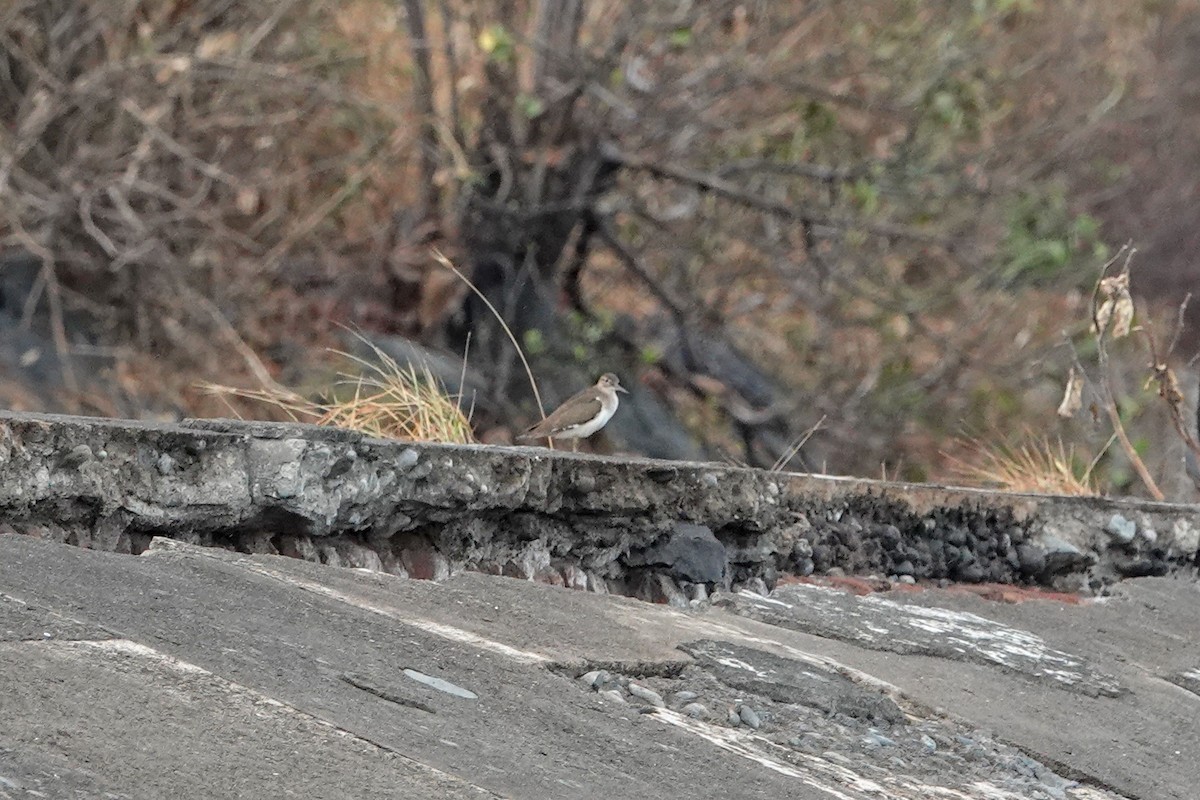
(582, 415)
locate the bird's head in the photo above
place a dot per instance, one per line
(610, 381)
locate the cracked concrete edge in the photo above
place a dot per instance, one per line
(113, 484)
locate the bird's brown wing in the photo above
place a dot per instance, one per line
(575, 411)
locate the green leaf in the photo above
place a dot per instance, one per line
(530, 105)
(534, 341)
(680, 38)
(497, 43)
(866, 195)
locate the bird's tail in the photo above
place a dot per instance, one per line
(529, 434)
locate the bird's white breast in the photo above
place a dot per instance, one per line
(608, 407)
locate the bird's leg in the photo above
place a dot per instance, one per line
(574, 445)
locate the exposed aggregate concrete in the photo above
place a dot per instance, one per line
(668, 532)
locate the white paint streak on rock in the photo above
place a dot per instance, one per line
(736, 663)
(886, 624)
(448, 632)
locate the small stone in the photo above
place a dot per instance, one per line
(808, 742)
(755, 585)
(80, 454)
(928, 743)
(689, 552)
(684, 697)
(1186, 536)
(647, 695)
(596, 584)
(734, 719)
(595, 678)
(165, 464)
(1031, 558)
(407, 460)
(906, 579)
(1062, 556)
(802, 549)
(904, 568)
(750, 717)
(876, 739)
(972, 573)
(697, 595)
(1140, 567)
(613, 695)
(835, 572)
(1150, 535)
(574, 577)
(1121, 530)
(695, 710)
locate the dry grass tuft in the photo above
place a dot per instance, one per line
(384, 400)
(1036, 466)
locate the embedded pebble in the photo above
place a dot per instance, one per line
(647, 695)
(756, 585)
(928, 743)
(595, 678)
(696, 710)
(734, 719)
(1121, 529)
(750, 717)
(614, 695)
(876, 739)
(684, 696)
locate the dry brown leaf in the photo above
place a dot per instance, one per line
(1117, 306)
(1103, 313)
(1072, 397)
(1122, 315)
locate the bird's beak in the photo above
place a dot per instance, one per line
(621, 389)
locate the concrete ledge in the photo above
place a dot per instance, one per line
(667, 531)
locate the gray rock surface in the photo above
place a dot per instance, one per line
(197, 672)
(883, 623)
(689, 551)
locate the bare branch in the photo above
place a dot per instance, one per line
(418, 36)
(722, 188)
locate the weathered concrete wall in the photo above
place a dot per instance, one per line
(667, 531)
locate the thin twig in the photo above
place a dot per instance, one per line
(1108, 398)
(725, 189)
(445, 262)
(796, 446)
